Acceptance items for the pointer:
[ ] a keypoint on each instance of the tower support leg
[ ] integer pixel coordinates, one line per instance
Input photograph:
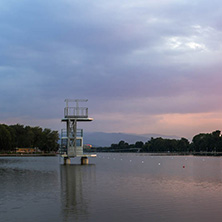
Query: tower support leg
(84, 161)
(67, 160)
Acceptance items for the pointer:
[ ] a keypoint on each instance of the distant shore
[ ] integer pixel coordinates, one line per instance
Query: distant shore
(188, 154)
(26, 155)
(172, 153)
(150, 154)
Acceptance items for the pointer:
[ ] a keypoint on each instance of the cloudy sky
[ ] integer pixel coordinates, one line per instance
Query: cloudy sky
(146, 66)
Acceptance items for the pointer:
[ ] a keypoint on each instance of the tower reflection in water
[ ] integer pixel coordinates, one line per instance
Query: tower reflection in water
(77, 182)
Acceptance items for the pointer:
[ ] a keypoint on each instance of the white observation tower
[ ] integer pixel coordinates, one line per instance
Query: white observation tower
(71, 137)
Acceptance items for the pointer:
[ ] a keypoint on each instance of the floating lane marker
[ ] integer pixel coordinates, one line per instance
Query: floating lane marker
(159, 164)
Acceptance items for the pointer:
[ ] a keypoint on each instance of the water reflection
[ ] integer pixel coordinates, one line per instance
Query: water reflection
(118, 188)
(160, 188)
(28, 189)
(76, 187)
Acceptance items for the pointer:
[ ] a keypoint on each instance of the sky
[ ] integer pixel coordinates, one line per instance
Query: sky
(145, 66)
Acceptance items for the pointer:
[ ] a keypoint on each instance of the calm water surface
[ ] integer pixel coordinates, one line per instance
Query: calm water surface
(114, 187)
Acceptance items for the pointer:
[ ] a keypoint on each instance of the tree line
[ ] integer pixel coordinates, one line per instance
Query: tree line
(20, 136)
(203, 142)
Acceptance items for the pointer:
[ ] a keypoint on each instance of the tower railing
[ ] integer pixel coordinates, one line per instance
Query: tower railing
(76, 112)
(79, 133)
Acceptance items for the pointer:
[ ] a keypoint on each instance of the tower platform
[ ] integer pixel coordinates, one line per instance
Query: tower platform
(78, 119)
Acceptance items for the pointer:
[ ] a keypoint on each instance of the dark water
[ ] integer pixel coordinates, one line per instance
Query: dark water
(114, 187)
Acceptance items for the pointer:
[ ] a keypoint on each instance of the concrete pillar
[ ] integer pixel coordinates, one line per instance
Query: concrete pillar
(84, 161)
(67, 161)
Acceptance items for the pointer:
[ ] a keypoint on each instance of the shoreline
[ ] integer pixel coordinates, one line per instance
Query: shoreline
(213, 154)
(216, 154)
(26, 155)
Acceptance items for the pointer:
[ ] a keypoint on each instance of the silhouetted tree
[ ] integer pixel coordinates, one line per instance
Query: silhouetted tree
(5, 138)
(19, 136)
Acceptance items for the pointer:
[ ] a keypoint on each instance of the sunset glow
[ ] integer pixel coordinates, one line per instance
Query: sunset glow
(145, 66)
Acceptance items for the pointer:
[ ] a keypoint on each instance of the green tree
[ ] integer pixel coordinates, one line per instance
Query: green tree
(5, 138)
(49, 140)
(123, 145)
(19, 135)
(207, 142)
(139, 144)
(183, 145)
(38, 137)
(45, 140)
(114, 146)
(217, 141)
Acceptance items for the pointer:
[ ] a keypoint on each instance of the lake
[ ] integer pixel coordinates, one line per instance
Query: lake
(114, 187)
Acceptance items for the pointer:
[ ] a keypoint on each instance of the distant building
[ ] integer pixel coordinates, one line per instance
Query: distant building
(26, 150)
